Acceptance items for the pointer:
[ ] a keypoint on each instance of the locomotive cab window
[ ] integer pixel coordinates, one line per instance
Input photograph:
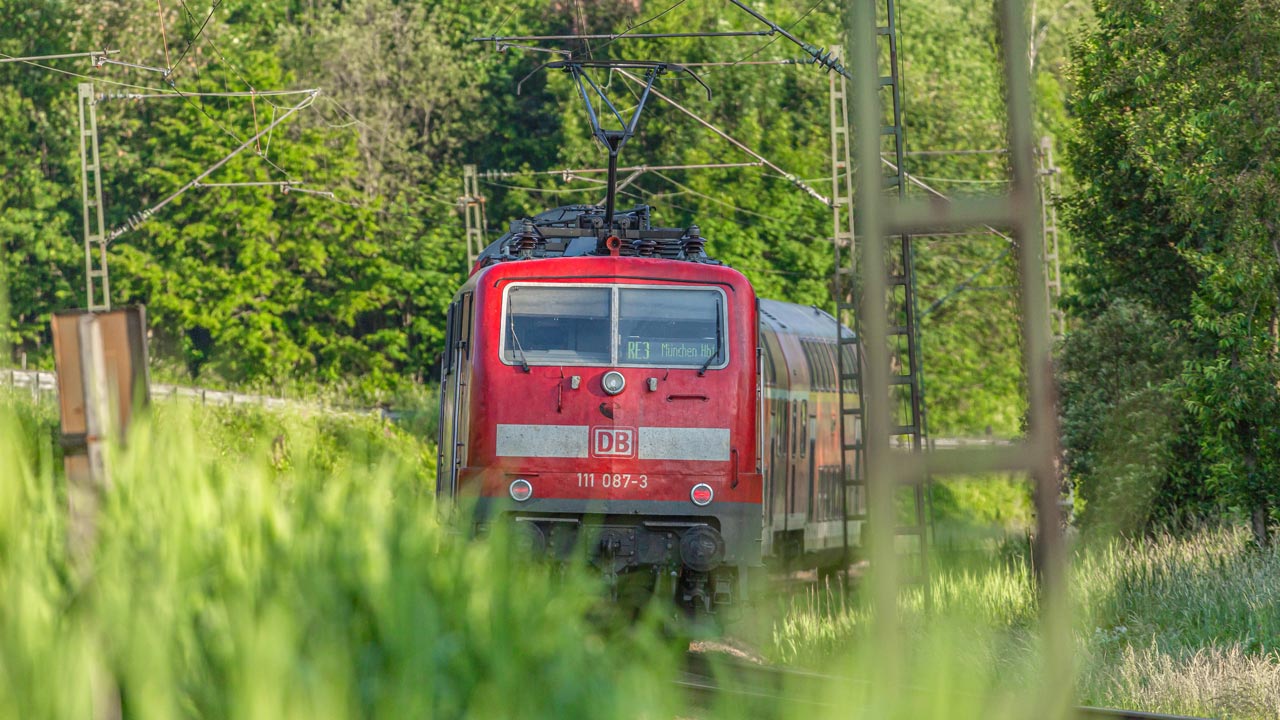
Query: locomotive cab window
(557, 325)
(669, 327)
(546, 324)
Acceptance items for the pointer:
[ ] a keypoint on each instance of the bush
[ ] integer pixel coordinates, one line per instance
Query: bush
(1126, 436)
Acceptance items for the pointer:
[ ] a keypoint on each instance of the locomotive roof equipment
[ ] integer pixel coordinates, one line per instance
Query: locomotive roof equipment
(582, 230)
(612, 139)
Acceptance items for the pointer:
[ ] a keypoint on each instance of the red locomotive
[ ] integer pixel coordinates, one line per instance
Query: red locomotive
(609, 388)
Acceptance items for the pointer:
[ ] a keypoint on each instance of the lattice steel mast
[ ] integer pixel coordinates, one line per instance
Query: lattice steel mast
(907, 420)
(889, 468)
(1048, 173)
(473, 212)
(95, 258)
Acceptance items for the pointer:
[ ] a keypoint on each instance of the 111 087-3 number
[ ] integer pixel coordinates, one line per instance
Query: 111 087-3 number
(613, 480)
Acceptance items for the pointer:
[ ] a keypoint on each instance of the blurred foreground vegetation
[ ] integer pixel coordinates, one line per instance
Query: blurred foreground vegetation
(262, 565)
(1181, 625)
(254, 563)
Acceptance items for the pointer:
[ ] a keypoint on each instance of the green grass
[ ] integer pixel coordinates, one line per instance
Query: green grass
(1184, 625)
(256, 563)
(238, 575)
(1166, 624)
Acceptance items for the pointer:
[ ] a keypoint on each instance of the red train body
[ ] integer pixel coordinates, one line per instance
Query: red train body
(630, 398)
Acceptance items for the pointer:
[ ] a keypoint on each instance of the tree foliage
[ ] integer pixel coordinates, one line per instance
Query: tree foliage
(1179, 154)
(247, 285)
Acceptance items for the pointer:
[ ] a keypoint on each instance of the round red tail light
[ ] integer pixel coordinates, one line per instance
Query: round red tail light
(701, 494)
(521, 490)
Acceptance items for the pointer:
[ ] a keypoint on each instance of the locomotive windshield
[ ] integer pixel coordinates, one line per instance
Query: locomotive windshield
(558, 325)
(619, 325)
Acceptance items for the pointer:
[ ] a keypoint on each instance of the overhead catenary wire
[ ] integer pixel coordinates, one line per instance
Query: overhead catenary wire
(717, 201)
(992, 151)
(633, 168)
(515, 7)
(261, 183)
(351, 115)
(151, 92)
(253, 92)
(611, 37)
(819, 55)
(733, 63)
(287, 187)
(536, 190)
(140, 217)
(642, 23)
(964, 284)
(32, 59)
(966, 181)
(135, 66)
(199, 32)
(940, 195)
(177, 95)
(214, 46)
(50, 68)
(746, 59)
(102, 57)
(808, 189)
(231, 133)
(503, 47)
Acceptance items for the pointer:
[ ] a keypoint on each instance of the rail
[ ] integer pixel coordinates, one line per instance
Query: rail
(763, 689)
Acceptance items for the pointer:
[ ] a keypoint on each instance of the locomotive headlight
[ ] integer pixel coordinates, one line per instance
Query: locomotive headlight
(701, 494)
(613, 382)
(521, 490)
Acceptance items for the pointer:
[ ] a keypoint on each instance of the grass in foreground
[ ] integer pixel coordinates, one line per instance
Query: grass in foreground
(251, 563)
(1177, 625)
(307, 579)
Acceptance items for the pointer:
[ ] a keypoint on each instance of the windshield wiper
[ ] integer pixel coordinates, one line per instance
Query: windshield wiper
(703, 370)
(524, 363)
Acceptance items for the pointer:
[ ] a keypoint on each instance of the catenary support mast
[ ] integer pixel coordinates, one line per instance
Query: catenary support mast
(906, 419)
(97, 281)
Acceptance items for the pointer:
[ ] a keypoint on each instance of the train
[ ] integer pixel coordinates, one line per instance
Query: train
(610, 389)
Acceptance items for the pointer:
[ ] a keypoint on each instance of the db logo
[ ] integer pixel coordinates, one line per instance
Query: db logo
(613, 442)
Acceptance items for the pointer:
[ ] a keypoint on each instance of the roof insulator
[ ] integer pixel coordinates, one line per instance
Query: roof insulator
(693, 243)
(527, 240)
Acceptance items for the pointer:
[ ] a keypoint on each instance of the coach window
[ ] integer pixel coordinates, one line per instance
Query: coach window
(804, 427)
(795, 427)
(848, 365)
(828, 366)
(557, 324)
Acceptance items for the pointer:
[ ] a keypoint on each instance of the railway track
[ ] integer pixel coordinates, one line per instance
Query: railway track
(758, 690)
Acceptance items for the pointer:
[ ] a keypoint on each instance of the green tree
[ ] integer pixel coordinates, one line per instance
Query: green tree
(41, 256)
(1179, 155)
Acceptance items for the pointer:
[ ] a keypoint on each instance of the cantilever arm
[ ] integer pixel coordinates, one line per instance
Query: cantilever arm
(634, 64)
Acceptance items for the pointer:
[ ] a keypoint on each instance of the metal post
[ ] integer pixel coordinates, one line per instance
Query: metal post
(873, 328)
(1036, 455)
(474, 213)
(848, 352)
(896, 272)
(1048, 173)
(95, 259)
(88, 474)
